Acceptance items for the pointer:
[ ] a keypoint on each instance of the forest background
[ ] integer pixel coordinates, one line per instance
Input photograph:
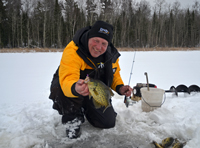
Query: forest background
(52, 23)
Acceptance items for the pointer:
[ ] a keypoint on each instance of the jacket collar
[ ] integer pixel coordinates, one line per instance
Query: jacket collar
(110, 54)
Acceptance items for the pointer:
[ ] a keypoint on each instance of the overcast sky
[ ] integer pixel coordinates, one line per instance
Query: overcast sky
(184, 3)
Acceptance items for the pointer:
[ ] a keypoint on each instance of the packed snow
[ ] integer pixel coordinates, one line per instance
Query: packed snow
(28, 120)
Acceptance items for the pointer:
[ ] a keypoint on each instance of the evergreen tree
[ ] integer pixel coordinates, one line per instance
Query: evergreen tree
(50, 23)
(58, 24)
(154, 30)
(3, 25)
(38, 24)
(187, 36)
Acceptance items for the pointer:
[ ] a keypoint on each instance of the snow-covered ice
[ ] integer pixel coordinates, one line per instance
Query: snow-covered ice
(28, 120)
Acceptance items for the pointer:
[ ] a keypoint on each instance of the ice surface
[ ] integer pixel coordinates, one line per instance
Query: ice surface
(28, 120)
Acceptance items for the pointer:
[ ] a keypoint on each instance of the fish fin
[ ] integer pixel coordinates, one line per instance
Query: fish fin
(167, 141)
(156, 144)
(184, 143)
(106, 108)
(90, 96)
(176, 140)
(111, 92)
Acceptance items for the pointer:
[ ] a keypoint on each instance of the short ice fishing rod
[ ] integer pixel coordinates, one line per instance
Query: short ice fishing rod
(127, 100)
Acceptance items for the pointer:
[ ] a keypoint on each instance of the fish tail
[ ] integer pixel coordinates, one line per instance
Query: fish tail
(106, 108)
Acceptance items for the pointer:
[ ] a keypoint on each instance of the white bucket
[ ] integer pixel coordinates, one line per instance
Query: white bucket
(152, 98)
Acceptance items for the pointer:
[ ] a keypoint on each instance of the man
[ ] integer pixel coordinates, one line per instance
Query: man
(89, 53)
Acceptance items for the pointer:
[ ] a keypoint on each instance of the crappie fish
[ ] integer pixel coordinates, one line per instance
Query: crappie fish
(100, 93)
(177, 144)
(167, 142)
(157, 145)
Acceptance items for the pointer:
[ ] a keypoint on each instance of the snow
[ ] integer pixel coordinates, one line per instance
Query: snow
(28, 120)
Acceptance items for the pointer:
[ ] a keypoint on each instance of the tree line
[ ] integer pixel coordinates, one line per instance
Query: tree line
(52, 24)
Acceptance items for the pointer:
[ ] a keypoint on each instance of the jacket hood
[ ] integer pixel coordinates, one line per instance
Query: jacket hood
(81, 40)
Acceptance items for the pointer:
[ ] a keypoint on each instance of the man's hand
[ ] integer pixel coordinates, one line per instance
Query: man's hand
(126, 90)
(81, 87)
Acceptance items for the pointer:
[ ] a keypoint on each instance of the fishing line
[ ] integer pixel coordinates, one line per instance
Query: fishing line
(132, 63)
(132, 68)
(127, 100)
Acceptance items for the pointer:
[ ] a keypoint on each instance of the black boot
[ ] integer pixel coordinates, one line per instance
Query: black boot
(73, 128)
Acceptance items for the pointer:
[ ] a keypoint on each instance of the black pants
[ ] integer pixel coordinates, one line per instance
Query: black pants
(70, 108)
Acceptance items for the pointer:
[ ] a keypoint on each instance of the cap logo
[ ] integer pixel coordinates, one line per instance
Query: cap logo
(104, 31)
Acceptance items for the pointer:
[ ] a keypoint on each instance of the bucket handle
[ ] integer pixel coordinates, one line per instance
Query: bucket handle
(155, 106)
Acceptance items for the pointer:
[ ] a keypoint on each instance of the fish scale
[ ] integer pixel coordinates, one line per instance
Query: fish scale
(101, 94)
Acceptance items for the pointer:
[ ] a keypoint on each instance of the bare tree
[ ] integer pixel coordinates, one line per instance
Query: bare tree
(92, 15)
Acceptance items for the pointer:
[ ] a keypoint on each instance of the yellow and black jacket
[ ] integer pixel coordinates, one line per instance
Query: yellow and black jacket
(73, 67)
(76, 64)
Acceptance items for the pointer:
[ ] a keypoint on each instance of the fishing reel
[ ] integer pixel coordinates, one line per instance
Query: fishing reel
(128, 101)
(136, 94)
(136, 90)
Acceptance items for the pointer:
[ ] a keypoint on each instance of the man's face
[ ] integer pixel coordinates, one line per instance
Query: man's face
(97, 46)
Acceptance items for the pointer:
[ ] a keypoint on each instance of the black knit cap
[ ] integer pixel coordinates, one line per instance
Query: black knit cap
(101, 29)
